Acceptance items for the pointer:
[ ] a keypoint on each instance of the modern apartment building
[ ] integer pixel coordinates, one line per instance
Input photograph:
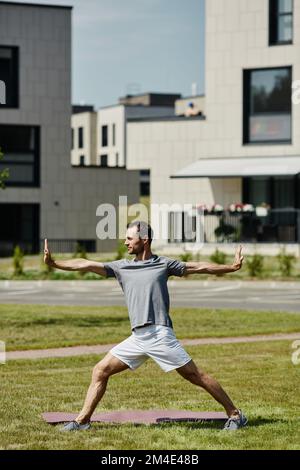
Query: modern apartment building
(83, 136)
(99, 138)
(112, 120)
(45, 196)
(245, 148)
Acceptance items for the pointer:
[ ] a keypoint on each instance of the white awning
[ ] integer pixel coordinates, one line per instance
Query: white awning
(241, 167)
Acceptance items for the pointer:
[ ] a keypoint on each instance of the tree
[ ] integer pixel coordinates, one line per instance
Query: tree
(4, 174)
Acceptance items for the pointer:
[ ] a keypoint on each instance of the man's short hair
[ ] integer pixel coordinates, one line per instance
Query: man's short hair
(144, 230)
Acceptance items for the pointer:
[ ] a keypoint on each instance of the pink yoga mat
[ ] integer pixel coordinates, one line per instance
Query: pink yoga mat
(139, 416)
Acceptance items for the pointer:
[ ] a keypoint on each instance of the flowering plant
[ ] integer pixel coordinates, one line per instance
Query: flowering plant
(232, 208)
(210, 209)
(262, 209)
(265, 205)
(241, 208)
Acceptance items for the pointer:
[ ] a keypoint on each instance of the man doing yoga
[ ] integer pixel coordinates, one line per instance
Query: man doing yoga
(143, 280)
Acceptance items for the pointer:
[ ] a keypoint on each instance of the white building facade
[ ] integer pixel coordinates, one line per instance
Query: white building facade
(84, 138)
(252, 58)
(99, 138)
(111, 129)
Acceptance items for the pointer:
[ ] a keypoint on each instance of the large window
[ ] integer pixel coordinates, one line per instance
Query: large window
(9, 71)
(277, 191)
(145, 182)
(104, 136)
(21, 148)
(281, 223)
(20, 227)
(267, 105)
(281, 22)
(259, 190)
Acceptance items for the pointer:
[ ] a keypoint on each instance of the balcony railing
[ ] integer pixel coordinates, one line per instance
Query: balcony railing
(276, 226)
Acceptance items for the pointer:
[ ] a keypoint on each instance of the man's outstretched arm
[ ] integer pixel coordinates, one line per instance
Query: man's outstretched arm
(209, 268)
(79, 264)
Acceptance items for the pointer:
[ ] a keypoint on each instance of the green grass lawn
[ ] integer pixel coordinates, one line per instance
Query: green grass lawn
(260, 378)
(45, 326)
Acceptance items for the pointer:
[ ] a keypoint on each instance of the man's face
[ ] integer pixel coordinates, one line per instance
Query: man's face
(133, 242)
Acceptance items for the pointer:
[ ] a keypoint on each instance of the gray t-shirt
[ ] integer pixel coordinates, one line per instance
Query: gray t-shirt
(144, 284)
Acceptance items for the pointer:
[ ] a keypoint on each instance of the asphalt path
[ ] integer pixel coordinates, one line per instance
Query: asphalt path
(250, 295)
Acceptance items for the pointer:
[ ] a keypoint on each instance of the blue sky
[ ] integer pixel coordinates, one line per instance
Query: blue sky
(134, 46)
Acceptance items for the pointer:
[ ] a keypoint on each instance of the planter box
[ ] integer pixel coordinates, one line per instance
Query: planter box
(261, 211)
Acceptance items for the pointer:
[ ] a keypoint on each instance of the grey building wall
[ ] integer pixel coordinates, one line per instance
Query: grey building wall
(43, 35)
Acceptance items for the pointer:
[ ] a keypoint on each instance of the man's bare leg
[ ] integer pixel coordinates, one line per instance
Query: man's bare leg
(109, 365)
(194, 375)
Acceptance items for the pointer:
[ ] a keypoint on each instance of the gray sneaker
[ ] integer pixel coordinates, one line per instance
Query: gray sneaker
(236, 422)
(74, 426)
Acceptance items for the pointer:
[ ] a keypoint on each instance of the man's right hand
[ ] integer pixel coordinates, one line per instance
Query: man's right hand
(47, 255)
(82, 265)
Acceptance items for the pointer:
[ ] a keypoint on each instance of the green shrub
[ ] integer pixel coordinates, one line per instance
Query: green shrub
(121, 250)
(218, 257)
(186, 257)
(226, 232)
(255, 265)
(4, 174)
(18, 261)
(285, 263)
(80, 252)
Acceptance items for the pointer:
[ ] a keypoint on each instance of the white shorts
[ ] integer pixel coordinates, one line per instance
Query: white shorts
(156, 341)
